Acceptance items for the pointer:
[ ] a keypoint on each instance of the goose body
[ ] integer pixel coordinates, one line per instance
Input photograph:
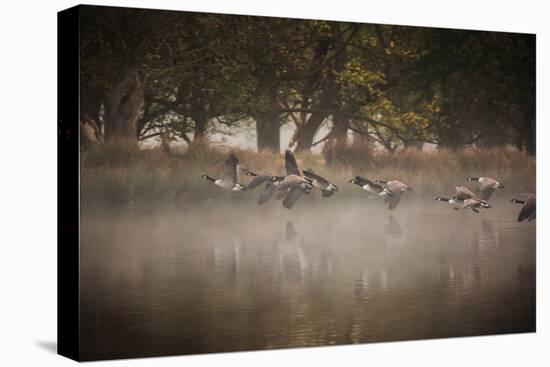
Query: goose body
(327, 188)
(529, 209)
(487, 186)
(463, 199)
(270, 187)
(294, 185)
(229, 180)
(370, 187)
(397, 188)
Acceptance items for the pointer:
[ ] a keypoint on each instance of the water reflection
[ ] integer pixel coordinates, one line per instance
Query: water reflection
(175, 281)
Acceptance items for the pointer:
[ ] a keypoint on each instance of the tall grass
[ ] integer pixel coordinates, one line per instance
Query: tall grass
(122, 173)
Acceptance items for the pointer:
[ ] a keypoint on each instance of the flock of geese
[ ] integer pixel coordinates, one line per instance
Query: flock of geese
(291, 187)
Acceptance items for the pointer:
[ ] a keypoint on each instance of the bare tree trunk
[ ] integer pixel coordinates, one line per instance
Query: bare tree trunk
(268, 128)
(306, 133)
(123, 106)
(90, 103)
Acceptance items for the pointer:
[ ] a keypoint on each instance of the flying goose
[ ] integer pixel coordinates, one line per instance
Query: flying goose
(451, 201)
(397, 188)
(370, 187)
(327, 188)
(488, 185)
(229, 180)
(529, 209)
(291, 188)
(294, 184)
(271, 184)
(465, 198)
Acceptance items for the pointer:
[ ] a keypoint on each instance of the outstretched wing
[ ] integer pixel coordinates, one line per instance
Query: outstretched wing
(486, 190)
(393, 200)
(313, 176)
(292, 197)
(463, 193)
(258, 180)
(231, 168)
(528, 210)
(267, 193)
(290, 164)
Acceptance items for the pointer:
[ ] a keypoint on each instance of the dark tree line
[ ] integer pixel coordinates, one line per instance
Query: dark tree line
(182, 75)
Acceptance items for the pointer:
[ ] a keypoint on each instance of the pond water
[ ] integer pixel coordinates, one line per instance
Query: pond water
(233, 276)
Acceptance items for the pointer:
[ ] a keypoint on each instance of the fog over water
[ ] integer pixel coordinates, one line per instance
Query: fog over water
(229, 275)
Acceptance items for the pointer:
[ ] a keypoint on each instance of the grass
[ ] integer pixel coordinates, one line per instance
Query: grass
(121, 173)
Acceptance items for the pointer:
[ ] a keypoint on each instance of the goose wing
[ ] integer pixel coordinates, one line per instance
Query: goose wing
(528, 210)
(393, 200)
(293, 195)
(290, 164)
(290, 181)
(463, 193)
(267, 193)
(323, 181)
(486, 189)
(395, 186)
(258, 180)
(231, 168)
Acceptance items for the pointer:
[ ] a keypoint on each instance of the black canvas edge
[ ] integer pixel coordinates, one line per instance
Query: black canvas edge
(68, 183)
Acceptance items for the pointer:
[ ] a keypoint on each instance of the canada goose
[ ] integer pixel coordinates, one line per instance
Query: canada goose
(370, 187)
(271, 183)
(229, 180)
(529, 209)
(469, 199)
(451, 201)
(294, 184)
(397, 188)
(327, 188)
(291, 189)
(488, 185)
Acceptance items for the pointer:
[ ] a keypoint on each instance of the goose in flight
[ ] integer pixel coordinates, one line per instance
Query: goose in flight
(529, 209)
(294, 185)
(487, 186)
(370, 187)
(397, 188)
(327, 189)
(270, 187)
(465, 198)
(229, 180)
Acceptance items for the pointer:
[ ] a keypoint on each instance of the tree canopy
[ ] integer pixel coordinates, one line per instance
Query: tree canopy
(147, 73)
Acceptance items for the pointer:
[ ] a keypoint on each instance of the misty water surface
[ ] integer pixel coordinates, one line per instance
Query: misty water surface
(233, 276)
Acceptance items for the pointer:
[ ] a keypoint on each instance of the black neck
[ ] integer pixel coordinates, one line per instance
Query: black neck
(441, 198)
(206, 177)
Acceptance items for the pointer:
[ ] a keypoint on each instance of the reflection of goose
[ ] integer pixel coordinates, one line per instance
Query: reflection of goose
(290, 231)
(291, 256)
(393, 228)
(529, 209)
(230, 179)
(488, 235)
